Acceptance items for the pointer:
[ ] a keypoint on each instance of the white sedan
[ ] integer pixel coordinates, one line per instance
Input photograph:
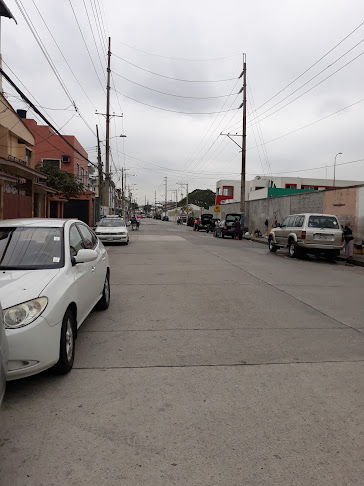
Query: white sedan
(53, 272)
(112, 230)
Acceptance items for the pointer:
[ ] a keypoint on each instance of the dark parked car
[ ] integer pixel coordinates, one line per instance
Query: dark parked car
(190, 221)
(157, 216)
(205, 222)
(165, 218)
(226, 227)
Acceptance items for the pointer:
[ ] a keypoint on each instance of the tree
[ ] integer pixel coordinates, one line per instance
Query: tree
(63, 182)
(134, 206)
(200, 197)
(147, 208)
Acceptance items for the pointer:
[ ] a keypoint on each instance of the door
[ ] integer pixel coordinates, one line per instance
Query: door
(99, 266)
(83, 273)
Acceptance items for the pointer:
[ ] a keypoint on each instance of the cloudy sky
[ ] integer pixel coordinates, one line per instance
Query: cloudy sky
(175, 78)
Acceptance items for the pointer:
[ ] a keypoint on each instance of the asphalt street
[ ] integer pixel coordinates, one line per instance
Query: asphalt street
(217, 363)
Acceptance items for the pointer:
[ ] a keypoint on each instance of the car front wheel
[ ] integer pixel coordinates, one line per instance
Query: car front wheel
(272, 247)
(104, 302)
(67, 344)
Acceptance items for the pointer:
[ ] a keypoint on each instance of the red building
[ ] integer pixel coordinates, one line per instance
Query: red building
(51, 149)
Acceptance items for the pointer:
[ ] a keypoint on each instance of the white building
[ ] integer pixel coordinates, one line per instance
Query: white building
(229, 190)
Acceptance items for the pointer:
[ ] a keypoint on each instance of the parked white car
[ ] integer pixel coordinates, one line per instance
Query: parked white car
(3, 357)
(53, 272)
(112, 230)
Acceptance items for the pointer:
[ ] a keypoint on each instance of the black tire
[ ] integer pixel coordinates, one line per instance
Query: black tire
(330, 256)
(67, 344)
(293, 249)
(240, 237)
(272, 247)
(104, 302)
(222, 235)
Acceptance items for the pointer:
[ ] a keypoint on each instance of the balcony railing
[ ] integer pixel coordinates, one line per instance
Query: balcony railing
(15, 159)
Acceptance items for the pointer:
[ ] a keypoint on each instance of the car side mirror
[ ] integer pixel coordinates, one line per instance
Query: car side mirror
(85, 256)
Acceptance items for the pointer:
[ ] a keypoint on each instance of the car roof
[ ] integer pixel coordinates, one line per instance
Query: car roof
(313, 214)
(37, 222)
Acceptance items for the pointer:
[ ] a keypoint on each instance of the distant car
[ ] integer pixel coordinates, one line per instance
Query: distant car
(4, 354)
(165, 218)
(204, 223)
(226, 227)
(308, 233)
(53, 272)
(190, 221)
(157, 216)
(112, 230)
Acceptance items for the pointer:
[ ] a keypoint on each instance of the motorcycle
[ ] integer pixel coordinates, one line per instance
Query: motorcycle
(135, 225)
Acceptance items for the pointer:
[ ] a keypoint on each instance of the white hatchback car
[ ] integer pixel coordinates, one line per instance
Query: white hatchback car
(53, 272)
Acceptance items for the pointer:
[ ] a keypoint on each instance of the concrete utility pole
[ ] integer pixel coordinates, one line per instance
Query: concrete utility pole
(155, 202)
(243, 152)
(122, 193)
(243, 147)
(99, 168)
(107, 159)
(166, 195)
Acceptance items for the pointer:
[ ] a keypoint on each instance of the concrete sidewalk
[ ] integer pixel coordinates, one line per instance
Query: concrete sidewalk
(357, 260)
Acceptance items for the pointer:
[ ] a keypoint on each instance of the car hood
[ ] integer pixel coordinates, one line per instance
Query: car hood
(111, 229)
(17, 286)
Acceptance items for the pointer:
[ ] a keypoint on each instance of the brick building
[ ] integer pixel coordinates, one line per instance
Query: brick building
(51, 149)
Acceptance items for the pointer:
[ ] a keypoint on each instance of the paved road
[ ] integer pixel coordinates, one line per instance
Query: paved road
(217, 363)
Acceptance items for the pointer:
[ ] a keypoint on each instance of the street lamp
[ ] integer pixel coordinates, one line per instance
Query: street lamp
(340, 153)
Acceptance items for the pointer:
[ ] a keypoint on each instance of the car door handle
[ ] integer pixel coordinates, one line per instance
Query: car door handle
(93, 269)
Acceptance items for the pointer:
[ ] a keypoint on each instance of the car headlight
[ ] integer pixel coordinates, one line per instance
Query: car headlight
(23, 314)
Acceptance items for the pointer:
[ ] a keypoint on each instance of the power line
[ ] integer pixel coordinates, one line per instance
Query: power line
(88, 51)
(173, 111)
(310, 89)
(175, 79)
(309, 68)
(35, 109)
(179, 58)
(172, 94)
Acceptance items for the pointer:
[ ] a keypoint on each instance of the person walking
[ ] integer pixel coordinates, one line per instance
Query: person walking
(349, 243)
(237, 228)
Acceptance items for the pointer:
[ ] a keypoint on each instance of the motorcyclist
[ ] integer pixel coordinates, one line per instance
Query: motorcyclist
(134, 221)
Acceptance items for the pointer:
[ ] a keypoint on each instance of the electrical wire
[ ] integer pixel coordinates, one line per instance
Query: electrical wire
(171, 94)
(175, 79)
(174, 111)
(312, 65)
(179, 58)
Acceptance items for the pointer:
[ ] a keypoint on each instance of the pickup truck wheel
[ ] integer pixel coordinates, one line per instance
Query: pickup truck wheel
(272, 247)
(293, 249)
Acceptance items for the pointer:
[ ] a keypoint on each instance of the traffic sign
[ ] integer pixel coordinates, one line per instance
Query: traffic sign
(175, 211)
(187, 210)
(217, 209)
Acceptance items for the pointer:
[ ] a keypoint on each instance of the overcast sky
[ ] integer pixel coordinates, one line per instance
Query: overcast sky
(200, 40)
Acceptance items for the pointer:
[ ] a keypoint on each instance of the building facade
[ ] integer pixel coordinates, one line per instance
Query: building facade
(51, 149)
(260, 187)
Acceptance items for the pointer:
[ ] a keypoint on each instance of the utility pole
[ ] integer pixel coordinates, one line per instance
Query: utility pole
(243, 147)
(107, 159)
(166, 195)
(243, 152)
(99, 168)
(155, 202)
(122, 193)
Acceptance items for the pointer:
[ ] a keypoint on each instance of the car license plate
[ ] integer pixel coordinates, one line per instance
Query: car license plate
(324, 237)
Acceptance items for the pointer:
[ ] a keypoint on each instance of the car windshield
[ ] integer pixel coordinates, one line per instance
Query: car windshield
(232, 217)
(31, 248)
(111, 223)
(323, 222)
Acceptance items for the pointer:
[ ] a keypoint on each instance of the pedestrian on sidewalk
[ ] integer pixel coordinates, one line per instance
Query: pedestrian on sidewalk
(195, 224)
(349, 242)
(237, 228)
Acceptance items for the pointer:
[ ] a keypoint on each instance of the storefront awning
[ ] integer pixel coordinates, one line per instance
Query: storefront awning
(20, 170)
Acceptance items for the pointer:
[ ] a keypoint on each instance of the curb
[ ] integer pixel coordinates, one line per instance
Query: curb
(264, 241)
